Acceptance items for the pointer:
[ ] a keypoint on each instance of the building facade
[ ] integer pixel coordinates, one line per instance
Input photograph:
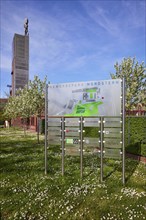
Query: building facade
(20, 62)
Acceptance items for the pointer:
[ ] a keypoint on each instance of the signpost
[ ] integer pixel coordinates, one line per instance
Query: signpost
(71, 107)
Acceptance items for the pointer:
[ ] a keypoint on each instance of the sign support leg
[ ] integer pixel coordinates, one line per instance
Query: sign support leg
(81, 146)
(123, 131)
(46, 127)
(101, 149)
(63, 137)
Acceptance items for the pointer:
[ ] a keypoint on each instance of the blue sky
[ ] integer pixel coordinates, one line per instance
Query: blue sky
(73, 40)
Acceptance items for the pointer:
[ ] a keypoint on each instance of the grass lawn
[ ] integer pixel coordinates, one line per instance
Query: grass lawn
(28, 194)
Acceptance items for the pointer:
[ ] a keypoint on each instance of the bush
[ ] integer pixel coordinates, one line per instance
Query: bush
(135, 133)
(135, 129)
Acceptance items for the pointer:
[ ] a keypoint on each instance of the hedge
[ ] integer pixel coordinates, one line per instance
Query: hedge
(135, 129)
(135, 132)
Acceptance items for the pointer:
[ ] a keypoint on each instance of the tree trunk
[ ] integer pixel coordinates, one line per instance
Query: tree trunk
(24, 126)
(38, 122)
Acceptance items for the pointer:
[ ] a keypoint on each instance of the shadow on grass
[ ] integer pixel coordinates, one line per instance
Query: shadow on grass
(109, 174)
(72, 166)
(130, 168)
(26, 154)
(54, 164)
(113, 167)
(23, 155)
(132, 162)
(24, 146)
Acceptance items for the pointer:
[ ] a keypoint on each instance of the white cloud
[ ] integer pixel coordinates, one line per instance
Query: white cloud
(116, 20)
(101, 17)
(136, 11)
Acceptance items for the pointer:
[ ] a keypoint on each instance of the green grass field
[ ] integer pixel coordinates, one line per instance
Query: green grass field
(28, 194)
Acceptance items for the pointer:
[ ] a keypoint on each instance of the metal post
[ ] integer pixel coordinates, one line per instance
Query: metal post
(81, 146)
(62, 142)
(101, 149)
(46, 126)
(123, 131)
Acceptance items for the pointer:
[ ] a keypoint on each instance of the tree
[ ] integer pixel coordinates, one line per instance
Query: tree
(134, 73)
(24, 108)
(11, 108)
(36, 95)
(18, 106)
(27, 102)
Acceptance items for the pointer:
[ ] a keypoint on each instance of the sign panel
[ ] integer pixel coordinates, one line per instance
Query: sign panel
(93, 98)
(72, 141)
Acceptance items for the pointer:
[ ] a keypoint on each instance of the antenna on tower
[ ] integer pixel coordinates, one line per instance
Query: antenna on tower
(26, 26)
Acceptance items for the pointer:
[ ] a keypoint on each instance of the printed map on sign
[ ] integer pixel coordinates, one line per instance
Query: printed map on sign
(93, 98)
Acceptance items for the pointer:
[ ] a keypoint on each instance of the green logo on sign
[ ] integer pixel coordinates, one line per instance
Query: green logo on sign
(69, 141)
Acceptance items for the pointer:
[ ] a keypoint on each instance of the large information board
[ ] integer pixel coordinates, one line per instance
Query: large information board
(93, 98)
(71, 109)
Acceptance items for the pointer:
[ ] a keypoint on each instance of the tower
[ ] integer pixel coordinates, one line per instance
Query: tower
(20, 60)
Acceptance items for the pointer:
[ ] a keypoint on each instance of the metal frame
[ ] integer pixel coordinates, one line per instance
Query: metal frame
(62, 141)
(123, 130)
(81, 146)
(46, 127)
(81, 125)
(101, 149)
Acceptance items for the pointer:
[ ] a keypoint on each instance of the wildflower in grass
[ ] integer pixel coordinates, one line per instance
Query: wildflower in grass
(130, 192)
